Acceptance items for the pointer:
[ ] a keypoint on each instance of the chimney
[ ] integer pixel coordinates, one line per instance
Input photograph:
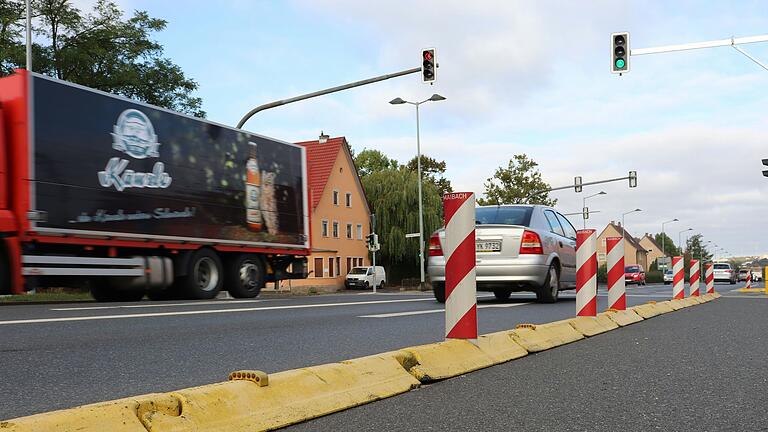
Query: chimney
(323, 138)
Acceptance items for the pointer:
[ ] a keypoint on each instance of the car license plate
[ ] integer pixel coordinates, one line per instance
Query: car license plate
(488, 246)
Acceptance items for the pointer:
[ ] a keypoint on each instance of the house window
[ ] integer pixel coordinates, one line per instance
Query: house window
(338, 265)
(335, 229)
(335, 197)
(359, 231)
(318, 267)
(330, 267)
(601, 257)
(349, 264)
(348, 199)
(325, 228)
(349, 231)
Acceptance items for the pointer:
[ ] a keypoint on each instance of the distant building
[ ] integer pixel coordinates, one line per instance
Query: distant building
(634, 252)
(339, 215)
(653, 248)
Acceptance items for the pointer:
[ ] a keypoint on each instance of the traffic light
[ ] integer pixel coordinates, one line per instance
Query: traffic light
(428, 65)
(369, 241)
(620, 52)
(632, 179)
(577, 184)
(585, 213)
(765, 172)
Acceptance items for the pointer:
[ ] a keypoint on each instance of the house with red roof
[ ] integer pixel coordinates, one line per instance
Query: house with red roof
(339, 215)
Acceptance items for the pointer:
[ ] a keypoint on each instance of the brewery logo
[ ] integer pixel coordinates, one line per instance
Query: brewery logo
(133, 134)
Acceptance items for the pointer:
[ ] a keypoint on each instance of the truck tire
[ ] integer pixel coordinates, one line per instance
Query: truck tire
(204, 277)
(438, 288)
(549, 291)
(502, 293)
(245, 276)
(102, 291)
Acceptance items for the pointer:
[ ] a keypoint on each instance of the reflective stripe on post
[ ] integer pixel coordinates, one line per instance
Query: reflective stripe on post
(709, 278)
(678, 278)
(749, 279)
(695, 276)
(459, 250)
(617, 298)
(586, 273)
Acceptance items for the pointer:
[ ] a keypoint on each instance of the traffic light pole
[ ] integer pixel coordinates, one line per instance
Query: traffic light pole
(630, 177)
(324, 92)
(732, 42)
(373, 230)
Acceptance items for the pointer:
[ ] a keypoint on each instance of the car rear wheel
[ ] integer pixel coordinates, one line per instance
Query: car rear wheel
(438, 288)
(502, 293)
(549, 291)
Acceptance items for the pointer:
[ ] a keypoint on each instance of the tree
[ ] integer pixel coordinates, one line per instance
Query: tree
(392, 195)
(372, 161)
(519, 183)
(669, 246)
(695, 249)
(432, 171)
(99, 49)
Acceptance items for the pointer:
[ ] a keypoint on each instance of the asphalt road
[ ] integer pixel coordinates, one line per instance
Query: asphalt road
(59, 356)
(698, 369)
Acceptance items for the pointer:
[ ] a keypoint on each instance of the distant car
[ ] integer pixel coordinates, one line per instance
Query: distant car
(743, 274)
(518, 248)
(634, 274)
(668, 277)
(363, 277)
(723, 272)
(757, 275)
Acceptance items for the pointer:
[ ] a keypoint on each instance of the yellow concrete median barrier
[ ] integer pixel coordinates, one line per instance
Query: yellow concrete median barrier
(677, 304)
(665, 306)
(501, 347)
(646, 310)
(623, 318)
(591, 326)
(535, 338)
(447, 359)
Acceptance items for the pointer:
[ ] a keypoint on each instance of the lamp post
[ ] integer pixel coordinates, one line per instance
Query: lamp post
(398, 101)
(622, 220)
(584, 207)
(680, 240)
(664, 235)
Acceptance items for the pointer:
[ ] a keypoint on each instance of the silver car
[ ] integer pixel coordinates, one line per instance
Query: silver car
(519, 248)
(724, 272)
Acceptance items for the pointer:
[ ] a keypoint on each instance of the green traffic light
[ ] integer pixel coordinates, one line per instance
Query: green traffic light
(620, 63)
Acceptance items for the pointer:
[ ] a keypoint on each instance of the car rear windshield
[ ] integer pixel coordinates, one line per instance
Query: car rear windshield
(722, 266)
(631, 269)
(517, 215)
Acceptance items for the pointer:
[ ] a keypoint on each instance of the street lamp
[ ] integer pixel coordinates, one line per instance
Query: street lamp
(680, 239)
(622, 220)
(398, 101)
(664, 235)
(584, 207)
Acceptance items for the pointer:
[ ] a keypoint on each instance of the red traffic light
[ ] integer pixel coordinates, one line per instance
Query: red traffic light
(427, 55)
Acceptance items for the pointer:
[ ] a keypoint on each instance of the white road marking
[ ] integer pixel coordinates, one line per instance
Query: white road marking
(423, 312)
(205, 312)
(139, 306)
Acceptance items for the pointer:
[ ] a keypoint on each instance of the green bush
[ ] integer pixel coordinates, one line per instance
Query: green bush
(602, 273)
(654, 277)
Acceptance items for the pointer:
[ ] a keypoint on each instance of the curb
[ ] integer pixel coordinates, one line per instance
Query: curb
(255, 401)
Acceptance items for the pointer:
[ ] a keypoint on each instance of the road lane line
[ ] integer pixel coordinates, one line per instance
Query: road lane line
(192, 303)
(204, 312)
(423, 312)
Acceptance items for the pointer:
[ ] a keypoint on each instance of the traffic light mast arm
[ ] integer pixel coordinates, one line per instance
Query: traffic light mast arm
(325, 92)
(732, 42)
(582, 184)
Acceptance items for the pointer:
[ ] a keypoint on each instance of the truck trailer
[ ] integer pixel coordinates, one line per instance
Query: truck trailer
(130, 199)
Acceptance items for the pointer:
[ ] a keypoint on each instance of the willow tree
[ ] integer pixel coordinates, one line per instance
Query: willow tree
(393, 196)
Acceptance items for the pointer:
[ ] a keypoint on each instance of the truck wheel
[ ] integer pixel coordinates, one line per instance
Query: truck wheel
(549, 291)
(103, 292)
(245, 276)
(204, 277)
(502, 293)
(438, 288)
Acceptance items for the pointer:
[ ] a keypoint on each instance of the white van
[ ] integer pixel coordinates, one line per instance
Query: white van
(362, 277)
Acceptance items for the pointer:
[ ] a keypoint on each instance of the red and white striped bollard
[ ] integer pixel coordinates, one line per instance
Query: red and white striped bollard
(749, 279)
(709, 278)
(694, 278)
(460, 277)
(617, 298)
(586, 273)
(678, 278)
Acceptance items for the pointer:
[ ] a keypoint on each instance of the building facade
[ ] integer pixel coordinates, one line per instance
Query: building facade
(653, 248)
(339, 216)
(634, 252)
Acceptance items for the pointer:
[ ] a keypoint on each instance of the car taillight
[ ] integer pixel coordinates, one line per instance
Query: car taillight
(531, 243)
(727, 271)
(434, 246)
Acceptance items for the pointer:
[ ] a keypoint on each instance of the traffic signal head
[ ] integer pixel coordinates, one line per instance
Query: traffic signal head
(577, 184)
(620, 52)
(428, 65)
(765, 172)
(633, 179)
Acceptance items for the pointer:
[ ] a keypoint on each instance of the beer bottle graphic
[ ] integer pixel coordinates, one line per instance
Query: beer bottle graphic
(253, 190)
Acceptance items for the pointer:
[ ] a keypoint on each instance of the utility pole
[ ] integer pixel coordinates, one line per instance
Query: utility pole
(29, 36)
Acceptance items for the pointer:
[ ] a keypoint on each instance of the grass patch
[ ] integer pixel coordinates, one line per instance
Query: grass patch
(48, 295)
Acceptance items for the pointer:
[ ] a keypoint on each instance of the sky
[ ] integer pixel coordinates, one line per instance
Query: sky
(518, 77)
